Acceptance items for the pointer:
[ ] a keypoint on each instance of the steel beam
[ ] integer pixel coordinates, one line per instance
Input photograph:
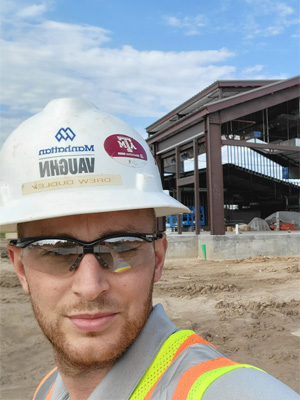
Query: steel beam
(253, 105)
(267, 146)
(188, 180)
(184, 147)
(178, 139)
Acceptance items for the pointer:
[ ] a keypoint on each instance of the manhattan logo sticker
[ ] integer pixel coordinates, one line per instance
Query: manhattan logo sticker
(65, 134)
(126, 150)
(66, 159)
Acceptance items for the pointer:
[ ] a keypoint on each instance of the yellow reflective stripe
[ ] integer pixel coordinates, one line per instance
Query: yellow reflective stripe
(204, 381)
(159, 365)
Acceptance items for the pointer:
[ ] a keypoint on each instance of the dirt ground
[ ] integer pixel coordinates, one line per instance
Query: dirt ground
(247, 308)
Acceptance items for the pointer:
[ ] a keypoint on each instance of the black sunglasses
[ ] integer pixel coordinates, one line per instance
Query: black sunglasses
(58, 255)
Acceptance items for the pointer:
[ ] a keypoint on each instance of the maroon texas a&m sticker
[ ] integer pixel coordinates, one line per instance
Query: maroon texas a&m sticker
(126, 150)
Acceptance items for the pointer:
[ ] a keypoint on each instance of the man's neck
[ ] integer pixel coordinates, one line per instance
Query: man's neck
(80, 384)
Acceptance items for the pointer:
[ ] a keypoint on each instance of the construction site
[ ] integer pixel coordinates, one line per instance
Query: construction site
(233, 152)
(232, 269)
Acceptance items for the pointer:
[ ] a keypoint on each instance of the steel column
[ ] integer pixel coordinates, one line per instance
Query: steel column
(196, 187)
(215, 176)
(161, 221)
(178, 187)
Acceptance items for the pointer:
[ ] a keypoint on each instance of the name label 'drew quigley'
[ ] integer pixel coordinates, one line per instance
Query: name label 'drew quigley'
(71, 182)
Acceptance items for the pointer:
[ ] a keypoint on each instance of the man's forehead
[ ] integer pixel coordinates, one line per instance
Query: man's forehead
(96, 223)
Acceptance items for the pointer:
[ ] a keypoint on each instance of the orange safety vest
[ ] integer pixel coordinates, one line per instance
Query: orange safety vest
(193, 380)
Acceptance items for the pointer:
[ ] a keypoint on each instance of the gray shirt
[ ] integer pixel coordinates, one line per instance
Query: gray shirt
(121, 380)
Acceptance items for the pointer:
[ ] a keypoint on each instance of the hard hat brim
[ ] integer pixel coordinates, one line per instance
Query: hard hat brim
(75, 202)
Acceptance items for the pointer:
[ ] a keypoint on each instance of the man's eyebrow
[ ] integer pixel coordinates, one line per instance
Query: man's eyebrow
(128, 229)
(53, 234)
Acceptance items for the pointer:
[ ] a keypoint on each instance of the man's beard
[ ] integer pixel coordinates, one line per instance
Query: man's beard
(72, 360)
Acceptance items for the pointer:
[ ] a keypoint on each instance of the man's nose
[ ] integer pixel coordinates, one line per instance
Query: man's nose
(90, 279)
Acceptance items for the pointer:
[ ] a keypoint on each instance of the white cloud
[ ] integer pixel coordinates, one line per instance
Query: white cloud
(284, 9)
(256, 72)
(44, 59)
(33, 11)
(18, 10)
(268, 18)
(254, 18)
(250, 70)
(273, 30)
(190, 25)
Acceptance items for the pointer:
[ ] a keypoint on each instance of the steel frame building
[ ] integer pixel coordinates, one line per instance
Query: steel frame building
(260, 116)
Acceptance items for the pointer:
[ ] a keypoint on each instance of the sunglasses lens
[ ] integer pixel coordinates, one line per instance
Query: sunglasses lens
(123, 253)
(52, 256)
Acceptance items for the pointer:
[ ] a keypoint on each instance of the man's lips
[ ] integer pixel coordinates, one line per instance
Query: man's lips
(92, 322)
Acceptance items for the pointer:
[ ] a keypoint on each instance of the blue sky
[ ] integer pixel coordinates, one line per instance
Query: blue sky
(138, 59)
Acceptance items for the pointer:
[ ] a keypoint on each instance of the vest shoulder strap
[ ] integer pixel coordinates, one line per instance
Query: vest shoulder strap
(169, 351)
(45, 388)
(196, 380)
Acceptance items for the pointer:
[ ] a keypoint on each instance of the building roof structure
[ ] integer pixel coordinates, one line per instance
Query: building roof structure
(259, 115)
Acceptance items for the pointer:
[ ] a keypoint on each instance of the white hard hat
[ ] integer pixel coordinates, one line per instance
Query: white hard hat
(71, 158)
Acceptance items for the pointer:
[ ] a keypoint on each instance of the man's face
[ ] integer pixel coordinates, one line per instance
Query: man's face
(91, 315)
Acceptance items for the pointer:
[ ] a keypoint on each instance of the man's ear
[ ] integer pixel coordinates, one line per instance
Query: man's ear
(15, 257)
(161, 246)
